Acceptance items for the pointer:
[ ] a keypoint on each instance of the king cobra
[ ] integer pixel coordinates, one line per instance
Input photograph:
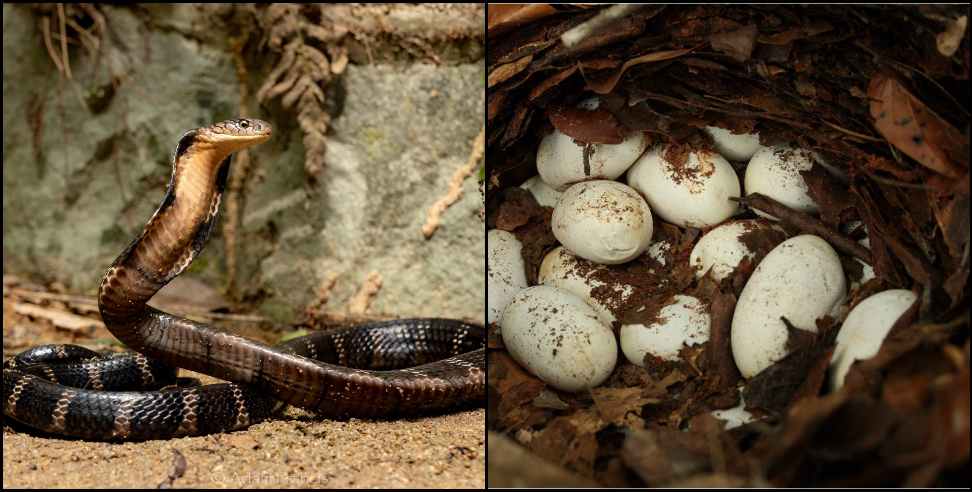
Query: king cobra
(385, 369)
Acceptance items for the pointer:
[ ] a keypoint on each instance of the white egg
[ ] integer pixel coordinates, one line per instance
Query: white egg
(560, 159)
(691, 194)
(565, 271)
(602, 221)
(545, 195)
(558, 338)
(775, 172)
(735, 416)
(721, 250)
(864, 330)
(736, 147)
(684, 323)
(506, 272)
(800, 279)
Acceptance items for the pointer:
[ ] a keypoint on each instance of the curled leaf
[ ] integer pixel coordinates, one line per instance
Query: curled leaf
(606, 85)
(503, 72)
(915, 129)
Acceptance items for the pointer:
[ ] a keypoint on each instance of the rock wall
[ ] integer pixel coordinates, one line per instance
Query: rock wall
(86, 162)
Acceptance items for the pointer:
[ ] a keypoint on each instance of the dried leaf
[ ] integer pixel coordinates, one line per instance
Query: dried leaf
(719, 361)
(541, 88)
(510, 465)
(915, 129)
(502, 18)
(587, 126)
(775, 387)
(738, 44)
(953, 416)
(339, 59)
(503, 72)
(662, 455)
(953, 218)
(606, 85)
(570, 441)
(495, 101)
(286, 61)
(791, 35)
(614, 404)
(830, 195)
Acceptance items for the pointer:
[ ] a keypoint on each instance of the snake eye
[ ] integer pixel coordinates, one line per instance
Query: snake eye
(244, 124)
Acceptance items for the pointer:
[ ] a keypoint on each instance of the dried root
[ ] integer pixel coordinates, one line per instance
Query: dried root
(455, 186)
(87, 28)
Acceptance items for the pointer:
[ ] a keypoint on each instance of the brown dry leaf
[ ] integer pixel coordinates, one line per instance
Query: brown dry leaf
(588, 127)
(511, 465)
(738, 43)
(953, 218)
(878, 163)
(915, 129)
(830, 195)
(719, 363)
(663, 455)
(796, 375)
(606, 85)
(495, 102)
(541, 88)
(570, 441)
(503, 72)
(502, 18)
(791, 35)
(613, 404)
(953, 417)
(516, 389)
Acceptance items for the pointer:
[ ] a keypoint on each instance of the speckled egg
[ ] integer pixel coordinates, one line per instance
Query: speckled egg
(775, 172)
(865, 328)
(734, 146)
(563, 270)
(505, 274)
(688, 190)
(720, 249)
(603, 221)
(560, 159)
(558, 338)
(800, 279)
(682, 323)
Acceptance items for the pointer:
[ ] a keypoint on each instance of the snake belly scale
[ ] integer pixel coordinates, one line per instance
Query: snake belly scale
(385, 369)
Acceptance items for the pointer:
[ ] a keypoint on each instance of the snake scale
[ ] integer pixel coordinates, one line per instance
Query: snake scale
(384, 369)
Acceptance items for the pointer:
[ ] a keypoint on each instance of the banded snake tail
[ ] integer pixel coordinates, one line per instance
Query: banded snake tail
(357, 372)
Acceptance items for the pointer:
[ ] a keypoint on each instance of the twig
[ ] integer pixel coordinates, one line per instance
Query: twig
(894, 182)
(851, 132)
(60, 319)
(91, 302)
(600, 22)
(806, 223)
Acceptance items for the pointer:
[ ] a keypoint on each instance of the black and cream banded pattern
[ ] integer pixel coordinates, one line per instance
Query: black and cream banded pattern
(70, 390)
(401, 367)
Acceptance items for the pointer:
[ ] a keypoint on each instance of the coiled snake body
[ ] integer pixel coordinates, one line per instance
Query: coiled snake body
(359, 371)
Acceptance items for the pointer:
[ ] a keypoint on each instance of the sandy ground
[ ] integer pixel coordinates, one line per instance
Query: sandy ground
(445, 451)
(296, 450)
